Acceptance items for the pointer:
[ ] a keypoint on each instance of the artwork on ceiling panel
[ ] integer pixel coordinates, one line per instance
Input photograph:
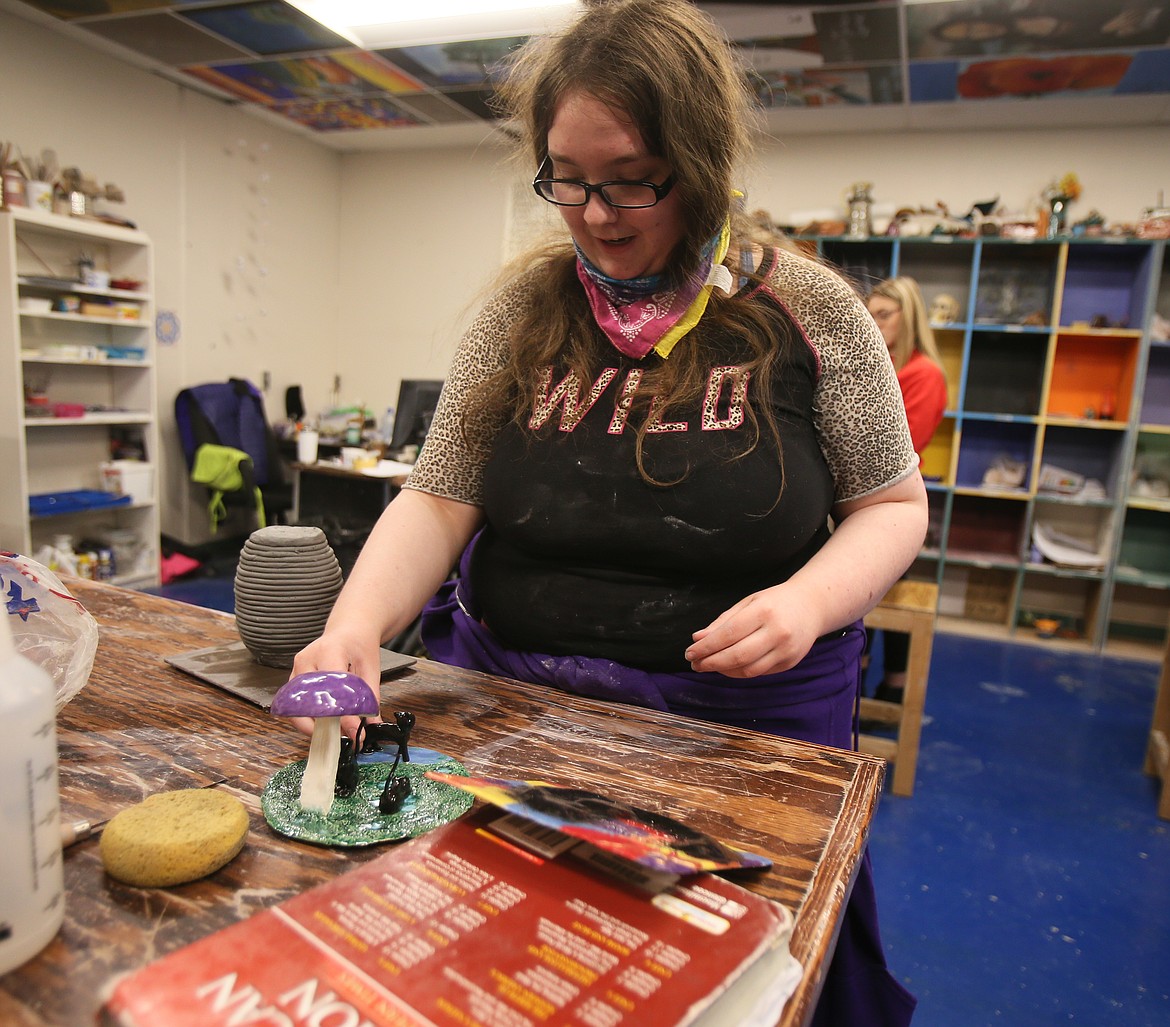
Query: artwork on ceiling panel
(1031, 77)
(360, 112)
(473, 62)
(973, 28)
(817, 58)
(829, 87)
(306, 78)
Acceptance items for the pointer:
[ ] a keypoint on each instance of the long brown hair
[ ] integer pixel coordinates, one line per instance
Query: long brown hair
(667, 67)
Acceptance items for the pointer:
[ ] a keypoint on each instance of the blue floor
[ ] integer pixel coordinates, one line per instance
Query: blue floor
(1027, 881)
(212, 593)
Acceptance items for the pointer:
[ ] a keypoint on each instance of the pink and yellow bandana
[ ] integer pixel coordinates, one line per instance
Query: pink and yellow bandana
(638, 324)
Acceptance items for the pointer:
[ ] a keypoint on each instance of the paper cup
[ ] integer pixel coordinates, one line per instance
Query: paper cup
(307, 447)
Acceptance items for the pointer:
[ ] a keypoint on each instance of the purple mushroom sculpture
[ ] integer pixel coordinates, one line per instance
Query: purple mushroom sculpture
(326, 696)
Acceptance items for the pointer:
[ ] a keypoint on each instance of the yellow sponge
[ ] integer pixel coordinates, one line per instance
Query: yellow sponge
(174, 837)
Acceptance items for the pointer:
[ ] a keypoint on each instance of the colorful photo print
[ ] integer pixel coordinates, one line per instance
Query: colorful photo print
(829, 87)
(305, 78)
(269, 27)
(802, 38)
(340, 115)
(858, 36)
(380, 73)
(472, 62)
(1035, 77)
(973, 28)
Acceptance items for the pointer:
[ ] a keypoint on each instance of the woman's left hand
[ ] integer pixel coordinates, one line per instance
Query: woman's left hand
(874, 540)
(764, 633)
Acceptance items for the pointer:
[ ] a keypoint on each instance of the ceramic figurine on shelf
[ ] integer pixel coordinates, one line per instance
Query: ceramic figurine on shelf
(860, 203)
(1058, 195)
(944, 309)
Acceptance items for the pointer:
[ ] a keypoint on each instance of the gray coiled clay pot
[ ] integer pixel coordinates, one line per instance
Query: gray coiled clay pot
(287, 581)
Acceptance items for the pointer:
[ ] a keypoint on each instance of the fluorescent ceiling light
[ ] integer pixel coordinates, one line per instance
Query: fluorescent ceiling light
(378, 24)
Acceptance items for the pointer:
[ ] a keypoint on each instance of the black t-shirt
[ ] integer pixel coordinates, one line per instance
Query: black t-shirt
(581, 556)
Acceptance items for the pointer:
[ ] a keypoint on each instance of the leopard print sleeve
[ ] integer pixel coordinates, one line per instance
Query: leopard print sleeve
(446, 467)
(859, 413)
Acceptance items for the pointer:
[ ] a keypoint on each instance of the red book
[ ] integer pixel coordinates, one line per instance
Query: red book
(463, 926)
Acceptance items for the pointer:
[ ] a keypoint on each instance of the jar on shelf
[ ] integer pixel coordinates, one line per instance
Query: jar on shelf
(860, 206)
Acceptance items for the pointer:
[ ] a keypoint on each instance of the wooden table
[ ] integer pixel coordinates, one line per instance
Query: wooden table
(140, 726)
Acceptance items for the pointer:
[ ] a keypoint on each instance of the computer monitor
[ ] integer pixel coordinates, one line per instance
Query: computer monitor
(417, 399)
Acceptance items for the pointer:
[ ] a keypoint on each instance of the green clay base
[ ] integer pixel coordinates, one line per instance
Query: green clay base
(356, 820)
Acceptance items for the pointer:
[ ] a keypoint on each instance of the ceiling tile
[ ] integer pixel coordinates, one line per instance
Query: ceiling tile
(268, 27)
(68, 9)
(474, 100)
(435, 108)
(165, 39)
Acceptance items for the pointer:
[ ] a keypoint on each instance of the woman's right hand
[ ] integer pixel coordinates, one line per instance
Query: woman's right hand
(341, 649)
(414, 545)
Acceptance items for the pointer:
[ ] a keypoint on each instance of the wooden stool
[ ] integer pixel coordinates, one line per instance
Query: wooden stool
(1158, 751)
(908, 607)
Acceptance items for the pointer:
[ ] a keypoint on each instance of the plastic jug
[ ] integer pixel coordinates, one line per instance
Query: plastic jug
(32, 892)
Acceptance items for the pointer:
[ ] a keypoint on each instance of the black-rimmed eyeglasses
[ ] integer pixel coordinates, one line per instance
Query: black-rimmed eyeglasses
(569, 192)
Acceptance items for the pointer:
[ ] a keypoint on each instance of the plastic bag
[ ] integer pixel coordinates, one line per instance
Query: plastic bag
(49, 626)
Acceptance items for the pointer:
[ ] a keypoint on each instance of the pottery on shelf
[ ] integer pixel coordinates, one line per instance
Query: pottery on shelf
(1057, 216)
(287, 581)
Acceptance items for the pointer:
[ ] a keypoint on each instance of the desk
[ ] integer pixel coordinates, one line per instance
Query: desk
(329, 490)
(139, 726)
(343, 502)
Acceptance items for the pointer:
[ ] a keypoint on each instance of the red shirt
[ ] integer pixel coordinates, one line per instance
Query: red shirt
(924, 393)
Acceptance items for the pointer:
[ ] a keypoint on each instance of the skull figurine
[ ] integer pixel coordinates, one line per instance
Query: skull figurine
(944, 309)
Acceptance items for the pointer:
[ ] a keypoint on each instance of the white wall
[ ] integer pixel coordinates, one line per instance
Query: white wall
(421, 235)
(243, 216)
(283, 256)
(1122, 169)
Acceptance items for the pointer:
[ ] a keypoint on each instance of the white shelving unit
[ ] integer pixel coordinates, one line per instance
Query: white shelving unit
(94, 374)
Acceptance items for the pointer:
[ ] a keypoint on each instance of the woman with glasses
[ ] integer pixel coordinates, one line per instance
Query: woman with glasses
(671, 465)
(900, 312)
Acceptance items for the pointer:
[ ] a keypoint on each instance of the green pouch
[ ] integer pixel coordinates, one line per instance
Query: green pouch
(218, 468)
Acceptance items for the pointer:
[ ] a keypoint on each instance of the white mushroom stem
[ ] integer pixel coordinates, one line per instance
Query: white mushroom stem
(320, 777)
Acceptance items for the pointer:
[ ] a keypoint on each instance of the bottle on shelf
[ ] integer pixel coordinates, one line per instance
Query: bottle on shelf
(62, 558)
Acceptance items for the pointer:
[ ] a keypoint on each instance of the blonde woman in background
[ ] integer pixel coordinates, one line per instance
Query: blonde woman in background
(900, 312)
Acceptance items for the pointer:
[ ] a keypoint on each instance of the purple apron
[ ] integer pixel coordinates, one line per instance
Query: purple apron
(816, 701)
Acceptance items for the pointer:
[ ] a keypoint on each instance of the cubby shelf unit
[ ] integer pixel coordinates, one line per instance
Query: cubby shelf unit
(1059, 375)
